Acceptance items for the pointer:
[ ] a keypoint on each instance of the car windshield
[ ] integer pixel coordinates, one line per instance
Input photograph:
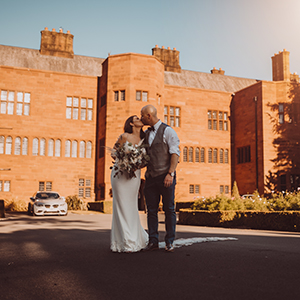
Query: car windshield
(47, 195)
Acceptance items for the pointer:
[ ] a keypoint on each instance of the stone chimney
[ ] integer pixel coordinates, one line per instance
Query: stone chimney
(281, 66)
(56, 43)
(169, 57)
(216, 71)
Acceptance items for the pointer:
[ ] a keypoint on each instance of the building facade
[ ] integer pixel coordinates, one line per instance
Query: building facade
(60, 112)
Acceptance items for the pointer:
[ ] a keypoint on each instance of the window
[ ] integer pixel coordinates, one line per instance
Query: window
(86, 108)
(225, 121)
(145, 96)
(172, 116)
(25, 146)
(119, 95)
(50, 147)
(48, 186)
(8, 103)
(226, 189)
(202, 155)
(116, 95)
(210, 155)
(75, 108)
(23, 103)
(192, 189)
(215, 156)
(82, 149)
(185, 154)
(17, 146)
(26, 104)
(281, 113)
(35, 147)
(88, 188)
(6, 186)
(84, 189)
(8, 145)
(90, 110)
(42, 147)
(72, 108)
(19, 103)
(67, 148)
(57, 148)
(81, 192)
(41, 186)
(141, 96)
(83, 109)
(220, 120)
(3, 102)
(88, 150)
(243, 155)
(197, 155)
(209, 117)
(221, 156)
(122, 94)
(74, 148)
(221, 189)
(191, 154)
(138, 95)
(2, 140)
(226, 156)
(217, 120)
(45, 185)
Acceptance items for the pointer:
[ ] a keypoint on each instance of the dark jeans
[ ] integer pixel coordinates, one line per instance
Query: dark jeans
(154, 189)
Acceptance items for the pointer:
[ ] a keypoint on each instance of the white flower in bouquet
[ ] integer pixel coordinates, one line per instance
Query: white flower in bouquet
(128, 158)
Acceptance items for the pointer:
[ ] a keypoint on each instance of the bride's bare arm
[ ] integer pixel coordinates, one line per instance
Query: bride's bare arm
(121, 140)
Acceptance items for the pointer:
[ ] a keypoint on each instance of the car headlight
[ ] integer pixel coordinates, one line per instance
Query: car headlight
(39, 204)
(62, 204)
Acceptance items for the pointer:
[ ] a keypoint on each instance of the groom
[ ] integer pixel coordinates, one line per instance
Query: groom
(160, 176)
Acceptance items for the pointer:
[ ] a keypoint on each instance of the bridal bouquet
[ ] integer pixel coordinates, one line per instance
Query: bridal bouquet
(128, 158)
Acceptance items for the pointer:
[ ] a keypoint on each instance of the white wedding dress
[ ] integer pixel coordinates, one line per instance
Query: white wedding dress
(127, 233)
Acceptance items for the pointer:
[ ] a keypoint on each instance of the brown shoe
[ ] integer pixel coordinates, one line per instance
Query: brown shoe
(151, 247)
(169, 248)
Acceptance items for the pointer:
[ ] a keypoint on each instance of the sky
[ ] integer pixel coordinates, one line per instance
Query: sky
(239, 36)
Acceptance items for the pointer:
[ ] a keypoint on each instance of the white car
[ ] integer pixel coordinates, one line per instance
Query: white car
(47, 203)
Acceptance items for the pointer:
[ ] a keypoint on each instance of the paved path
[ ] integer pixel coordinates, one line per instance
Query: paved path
(69, 258)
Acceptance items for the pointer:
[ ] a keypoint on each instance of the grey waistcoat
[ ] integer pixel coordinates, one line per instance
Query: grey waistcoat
(160, 157)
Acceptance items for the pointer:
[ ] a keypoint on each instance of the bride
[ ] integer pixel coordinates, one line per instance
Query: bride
(127, 233)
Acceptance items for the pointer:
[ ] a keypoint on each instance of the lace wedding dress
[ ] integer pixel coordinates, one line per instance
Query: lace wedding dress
(127, 233)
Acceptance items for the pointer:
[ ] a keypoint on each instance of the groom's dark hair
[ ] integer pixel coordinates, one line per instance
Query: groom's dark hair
(128, 127)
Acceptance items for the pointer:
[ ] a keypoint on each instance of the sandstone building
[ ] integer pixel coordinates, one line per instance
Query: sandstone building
(59, 111)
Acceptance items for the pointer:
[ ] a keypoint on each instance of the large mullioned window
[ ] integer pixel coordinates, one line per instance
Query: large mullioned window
(13, 102)
(79, 108)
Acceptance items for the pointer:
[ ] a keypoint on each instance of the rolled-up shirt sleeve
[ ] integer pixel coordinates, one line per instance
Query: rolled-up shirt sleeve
(171, 138)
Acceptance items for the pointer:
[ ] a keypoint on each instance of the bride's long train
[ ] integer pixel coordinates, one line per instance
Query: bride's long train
(188, 242)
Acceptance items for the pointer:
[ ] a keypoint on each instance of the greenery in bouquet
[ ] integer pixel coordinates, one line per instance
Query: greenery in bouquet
(128, 158)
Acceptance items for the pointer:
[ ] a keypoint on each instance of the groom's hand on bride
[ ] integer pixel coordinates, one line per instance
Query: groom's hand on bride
(168, 180)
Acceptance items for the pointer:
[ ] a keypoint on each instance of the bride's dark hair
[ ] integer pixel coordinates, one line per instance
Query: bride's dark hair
(128, 127)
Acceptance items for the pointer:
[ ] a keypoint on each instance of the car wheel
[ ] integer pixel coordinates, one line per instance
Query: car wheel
(29, 211)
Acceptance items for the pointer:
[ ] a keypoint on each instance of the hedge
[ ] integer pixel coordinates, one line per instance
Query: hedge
(267, 220)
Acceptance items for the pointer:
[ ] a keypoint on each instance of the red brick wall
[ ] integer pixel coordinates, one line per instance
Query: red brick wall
(47, 119)
(131, 72)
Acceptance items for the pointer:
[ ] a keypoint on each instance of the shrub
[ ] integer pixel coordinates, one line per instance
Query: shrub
(75, 203)
(15, 205)
(220, 202)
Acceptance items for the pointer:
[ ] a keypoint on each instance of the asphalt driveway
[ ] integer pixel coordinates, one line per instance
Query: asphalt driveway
(69, 258)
